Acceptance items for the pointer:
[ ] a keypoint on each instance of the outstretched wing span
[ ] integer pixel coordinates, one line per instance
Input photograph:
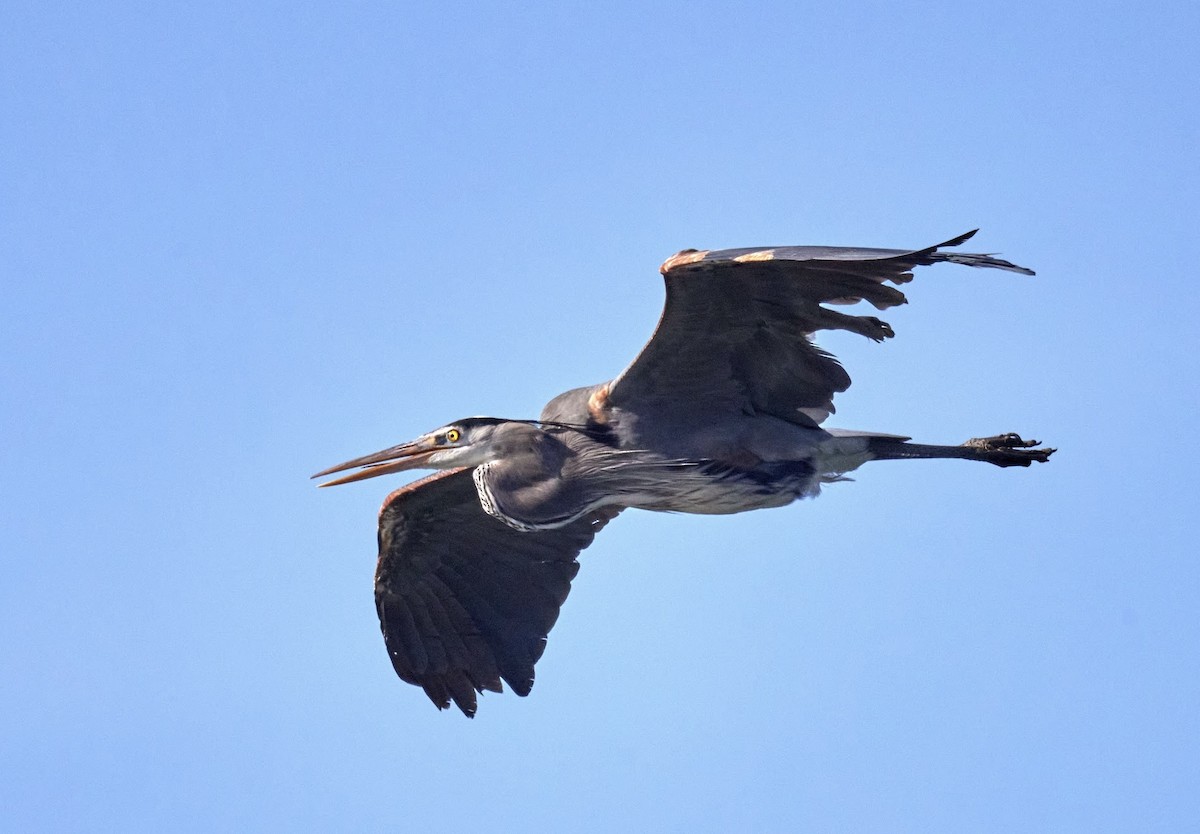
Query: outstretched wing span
(735, 334)
(465, 600)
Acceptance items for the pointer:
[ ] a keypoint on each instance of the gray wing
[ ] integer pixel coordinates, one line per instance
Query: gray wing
(463, 599)
(735, 333)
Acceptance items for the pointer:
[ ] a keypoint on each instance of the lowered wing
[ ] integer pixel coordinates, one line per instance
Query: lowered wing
(465, 600)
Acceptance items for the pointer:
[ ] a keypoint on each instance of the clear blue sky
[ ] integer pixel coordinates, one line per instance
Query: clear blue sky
(242, 242)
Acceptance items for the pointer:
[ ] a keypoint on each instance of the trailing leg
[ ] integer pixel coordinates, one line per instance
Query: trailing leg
(1001, 450)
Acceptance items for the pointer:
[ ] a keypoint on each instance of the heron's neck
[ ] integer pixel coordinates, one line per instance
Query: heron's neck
(524, 485)
(526, 451)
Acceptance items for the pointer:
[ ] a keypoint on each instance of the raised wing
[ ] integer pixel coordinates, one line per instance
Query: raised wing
(735, 334)
(463, 599)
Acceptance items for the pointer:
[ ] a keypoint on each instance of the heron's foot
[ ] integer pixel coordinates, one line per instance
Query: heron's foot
(1009, 450)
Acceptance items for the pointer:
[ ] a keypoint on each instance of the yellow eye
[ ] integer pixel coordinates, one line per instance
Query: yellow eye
(453, 435)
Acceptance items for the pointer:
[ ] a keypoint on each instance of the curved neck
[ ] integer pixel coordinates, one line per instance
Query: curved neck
(524, 485)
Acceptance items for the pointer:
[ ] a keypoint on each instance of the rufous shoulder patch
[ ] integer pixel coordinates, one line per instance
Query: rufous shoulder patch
(597, 405)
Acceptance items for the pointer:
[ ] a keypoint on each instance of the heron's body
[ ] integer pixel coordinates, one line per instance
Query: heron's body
(720, 413)
(566, 473)
(746, 463)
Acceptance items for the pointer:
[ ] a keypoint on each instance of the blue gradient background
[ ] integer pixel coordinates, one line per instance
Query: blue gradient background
(239, 243)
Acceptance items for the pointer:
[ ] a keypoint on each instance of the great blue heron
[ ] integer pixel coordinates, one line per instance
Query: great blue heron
(721, 412)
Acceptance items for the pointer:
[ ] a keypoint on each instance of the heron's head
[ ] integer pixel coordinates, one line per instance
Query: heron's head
(468, 442)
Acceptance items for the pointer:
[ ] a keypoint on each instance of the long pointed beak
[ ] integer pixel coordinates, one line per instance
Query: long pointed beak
(396, 459)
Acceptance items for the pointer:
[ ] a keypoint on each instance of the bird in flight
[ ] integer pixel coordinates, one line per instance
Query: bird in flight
(721, 412)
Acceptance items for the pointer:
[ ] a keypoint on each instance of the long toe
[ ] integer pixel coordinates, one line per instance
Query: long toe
(1009, 450)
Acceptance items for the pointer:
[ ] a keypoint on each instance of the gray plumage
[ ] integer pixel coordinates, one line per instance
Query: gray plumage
(721, 412)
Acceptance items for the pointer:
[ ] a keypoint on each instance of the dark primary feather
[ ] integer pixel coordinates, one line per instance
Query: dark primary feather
(464, 600)
(734, 336)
